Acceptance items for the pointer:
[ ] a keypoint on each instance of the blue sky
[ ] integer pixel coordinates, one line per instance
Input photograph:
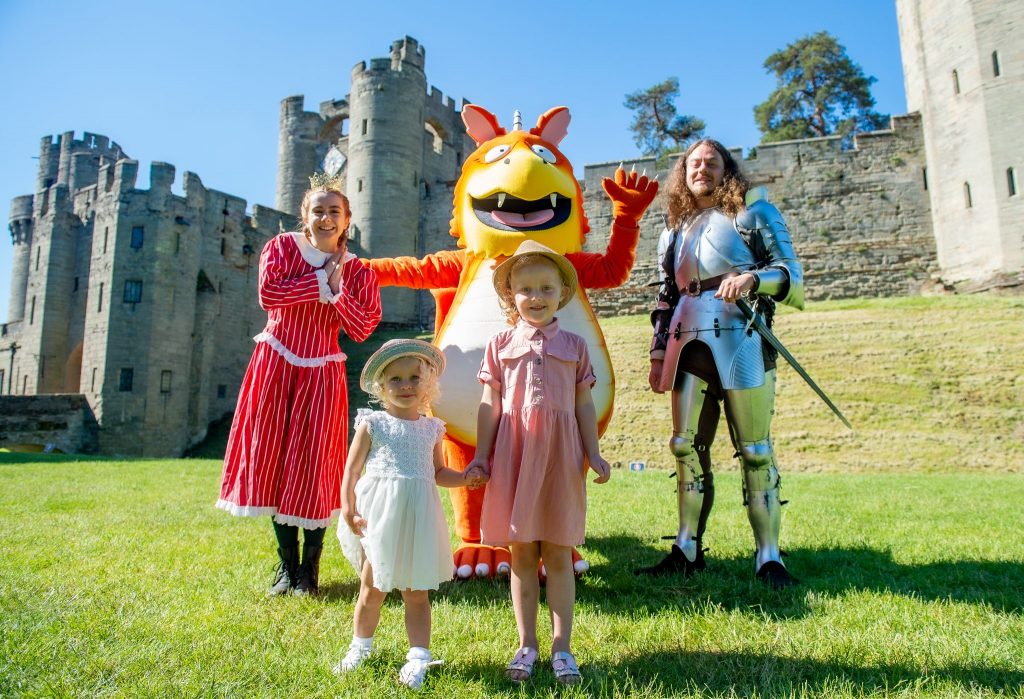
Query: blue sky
(198, 83)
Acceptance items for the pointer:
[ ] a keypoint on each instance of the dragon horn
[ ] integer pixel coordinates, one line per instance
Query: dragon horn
(517, 121)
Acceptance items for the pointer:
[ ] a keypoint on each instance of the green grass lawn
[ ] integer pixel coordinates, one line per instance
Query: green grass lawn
(120, 579)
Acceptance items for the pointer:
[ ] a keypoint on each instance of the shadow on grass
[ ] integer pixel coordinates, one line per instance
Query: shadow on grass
(729, 582)
(746, 674)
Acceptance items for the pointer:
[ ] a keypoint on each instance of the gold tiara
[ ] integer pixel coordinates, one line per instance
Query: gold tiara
(322, 182)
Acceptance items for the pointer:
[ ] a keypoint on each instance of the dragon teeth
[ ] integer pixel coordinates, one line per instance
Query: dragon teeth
(554, 200)
(501, 199)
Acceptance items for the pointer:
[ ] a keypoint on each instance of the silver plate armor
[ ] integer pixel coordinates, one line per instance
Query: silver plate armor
(709, 246)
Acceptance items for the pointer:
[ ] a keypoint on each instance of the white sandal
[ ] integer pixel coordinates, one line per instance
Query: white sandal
(521, 667)
(566, 670)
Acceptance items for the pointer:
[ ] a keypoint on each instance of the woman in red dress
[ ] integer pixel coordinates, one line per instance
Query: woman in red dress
(287, 447)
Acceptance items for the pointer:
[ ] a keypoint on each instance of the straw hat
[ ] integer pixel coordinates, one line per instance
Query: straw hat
(396, 349)
(532, 247)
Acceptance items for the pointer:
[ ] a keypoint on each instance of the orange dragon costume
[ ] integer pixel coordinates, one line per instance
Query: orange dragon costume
(515, 186)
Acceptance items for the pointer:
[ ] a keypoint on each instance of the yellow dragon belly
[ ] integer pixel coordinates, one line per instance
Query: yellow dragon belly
(474, 317)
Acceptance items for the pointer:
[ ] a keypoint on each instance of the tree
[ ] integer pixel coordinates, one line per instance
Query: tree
(820, 92)
(657, 121)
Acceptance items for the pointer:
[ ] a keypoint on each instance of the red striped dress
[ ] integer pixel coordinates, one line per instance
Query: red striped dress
(287, 447)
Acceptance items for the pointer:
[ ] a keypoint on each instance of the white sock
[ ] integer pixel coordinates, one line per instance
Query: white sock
(366, 643)
(419, 653)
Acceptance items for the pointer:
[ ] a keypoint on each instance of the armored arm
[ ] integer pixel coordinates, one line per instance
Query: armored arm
(668, 296)
(782, 276)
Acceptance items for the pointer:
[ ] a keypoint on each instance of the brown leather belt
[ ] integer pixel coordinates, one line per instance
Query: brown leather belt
(697, 286)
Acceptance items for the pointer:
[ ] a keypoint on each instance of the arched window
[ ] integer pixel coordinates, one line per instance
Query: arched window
(967, 195)
(956, 83)
(1011, 181)
(995, 64)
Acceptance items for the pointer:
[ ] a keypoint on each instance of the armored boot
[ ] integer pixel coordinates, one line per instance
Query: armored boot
(764, 510)
(286, 573)
(309, 571)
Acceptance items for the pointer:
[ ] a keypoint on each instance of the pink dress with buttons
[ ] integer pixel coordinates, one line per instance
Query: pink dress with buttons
(537, 490)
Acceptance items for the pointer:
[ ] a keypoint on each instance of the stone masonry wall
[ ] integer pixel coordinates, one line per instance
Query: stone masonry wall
(62, 421)
(860, 218)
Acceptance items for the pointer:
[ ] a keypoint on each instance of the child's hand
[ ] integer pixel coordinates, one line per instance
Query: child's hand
(353, 520)
(476, 473)
(602, 468)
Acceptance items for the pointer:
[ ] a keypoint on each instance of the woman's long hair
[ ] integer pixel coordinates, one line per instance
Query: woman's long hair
(729, 196)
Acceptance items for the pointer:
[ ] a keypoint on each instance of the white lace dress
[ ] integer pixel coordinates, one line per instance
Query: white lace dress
(406, 537)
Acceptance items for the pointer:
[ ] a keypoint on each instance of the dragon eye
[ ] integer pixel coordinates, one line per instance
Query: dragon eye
(496, 152)
(544, 153)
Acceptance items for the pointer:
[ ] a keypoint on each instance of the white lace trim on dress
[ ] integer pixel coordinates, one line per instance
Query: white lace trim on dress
(290, 520)
(294, 359)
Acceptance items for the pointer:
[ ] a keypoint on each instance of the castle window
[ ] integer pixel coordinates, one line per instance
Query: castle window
(924, 178)
(1, 382)
(177, 243)
(364, 127)
(76, 285)
(956, 83)
(458, 158)
(99, 299)
(967, 195)
(995, 64)
(37, 259)
(165, 381)
(133, 291)
(223, 246)
(24, 384)
(222, 391)
(124, 383)
(359, 185)
(1011, 181)
(106, 233)
(32, 312)
(92, 386)
(137, 235)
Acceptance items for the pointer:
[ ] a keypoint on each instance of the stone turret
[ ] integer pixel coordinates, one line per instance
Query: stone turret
(385, 161)
(962, 66)
(20, 225)
(299, 152)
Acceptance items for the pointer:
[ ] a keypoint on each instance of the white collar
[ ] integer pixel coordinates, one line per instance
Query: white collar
(313, 256)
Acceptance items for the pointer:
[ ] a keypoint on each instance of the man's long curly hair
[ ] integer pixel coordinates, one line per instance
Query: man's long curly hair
(729, 196)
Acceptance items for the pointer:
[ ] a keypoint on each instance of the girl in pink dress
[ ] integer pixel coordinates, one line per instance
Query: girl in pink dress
(536, 434)
(286, 451)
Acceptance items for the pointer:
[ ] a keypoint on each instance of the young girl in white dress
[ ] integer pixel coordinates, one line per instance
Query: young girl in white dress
(393, 529)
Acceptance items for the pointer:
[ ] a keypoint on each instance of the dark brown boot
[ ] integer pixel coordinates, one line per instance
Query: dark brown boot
(287, 573)
(309, 571)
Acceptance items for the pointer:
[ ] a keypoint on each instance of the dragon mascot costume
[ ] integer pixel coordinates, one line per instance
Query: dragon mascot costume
(516, 186)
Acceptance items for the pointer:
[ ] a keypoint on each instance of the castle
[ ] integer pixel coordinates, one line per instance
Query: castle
(144, 301)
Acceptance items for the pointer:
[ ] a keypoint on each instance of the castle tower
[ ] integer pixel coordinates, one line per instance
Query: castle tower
(385, 161)
(299, 153)
(20, 226)
(963, 67)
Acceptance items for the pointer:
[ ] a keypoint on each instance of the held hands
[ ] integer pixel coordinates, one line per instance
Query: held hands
(601, 467)
(334, 267)
(732, 288)
(476, 473)
(631, 194)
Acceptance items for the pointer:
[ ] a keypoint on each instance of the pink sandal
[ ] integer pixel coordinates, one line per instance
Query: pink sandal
(521, 667)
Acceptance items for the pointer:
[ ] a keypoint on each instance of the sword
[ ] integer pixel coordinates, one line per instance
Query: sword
(755, 321)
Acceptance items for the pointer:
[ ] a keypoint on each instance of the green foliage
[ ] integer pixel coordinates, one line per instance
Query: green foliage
(820, 92)
(658, 129)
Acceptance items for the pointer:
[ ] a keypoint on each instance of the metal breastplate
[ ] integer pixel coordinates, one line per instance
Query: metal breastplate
(710, 246)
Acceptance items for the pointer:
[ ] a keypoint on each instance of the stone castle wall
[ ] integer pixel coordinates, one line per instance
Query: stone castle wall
(859, 218)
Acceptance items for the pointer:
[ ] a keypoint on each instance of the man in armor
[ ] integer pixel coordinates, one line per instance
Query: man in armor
(714, 251)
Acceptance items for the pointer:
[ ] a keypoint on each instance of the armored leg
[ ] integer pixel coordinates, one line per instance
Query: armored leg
(749, 413)
(688, 402)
